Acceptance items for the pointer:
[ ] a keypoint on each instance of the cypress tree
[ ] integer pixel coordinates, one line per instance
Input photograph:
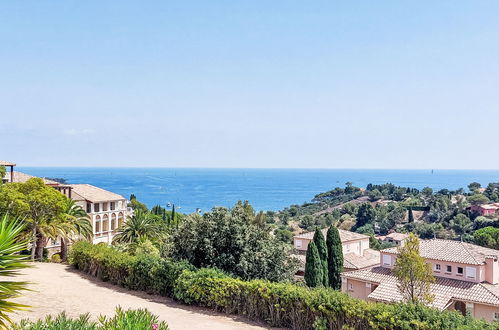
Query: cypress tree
(173, 214)
(320, 243)
(313, 267)
(410, 216)
(335, 257)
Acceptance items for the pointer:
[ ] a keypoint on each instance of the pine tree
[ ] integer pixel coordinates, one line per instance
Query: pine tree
(410, 216)
(320, 243)
(335, 257)
(313, 267)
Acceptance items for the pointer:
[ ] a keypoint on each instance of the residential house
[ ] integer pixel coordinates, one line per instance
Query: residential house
(356, 252)
(467, 278)
(486, 210)
(395, 238)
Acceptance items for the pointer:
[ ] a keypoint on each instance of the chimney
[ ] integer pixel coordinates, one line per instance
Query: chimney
(491, 270)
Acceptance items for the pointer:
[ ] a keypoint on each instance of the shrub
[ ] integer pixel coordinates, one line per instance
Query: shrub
(55, 258)
(140, 319)
(276, 303)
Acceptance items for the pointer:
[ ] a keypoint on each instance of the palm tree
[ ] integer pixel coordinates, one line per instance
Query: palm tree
(10, 264)
(75, 223)
(138, 228)
(72, 223)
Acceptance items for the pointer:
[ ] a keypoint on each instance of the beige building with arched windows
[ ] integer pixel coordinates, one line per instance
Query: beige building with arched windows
(107, 210)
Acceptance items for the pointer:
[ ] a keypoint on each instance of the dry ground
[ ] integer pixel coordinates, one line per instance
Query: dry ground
(59, 288)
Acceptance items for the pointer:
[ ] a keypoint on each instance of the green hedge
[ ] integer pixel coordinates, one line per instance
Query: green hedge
(278, 304)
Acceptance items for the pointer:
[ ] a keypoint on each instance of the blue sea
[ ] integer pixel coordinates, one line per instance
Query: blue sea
(266, 189)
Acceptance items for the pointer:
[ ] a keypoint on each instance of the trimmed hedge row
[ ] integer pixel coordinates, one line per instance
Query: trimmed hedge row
(278, 304)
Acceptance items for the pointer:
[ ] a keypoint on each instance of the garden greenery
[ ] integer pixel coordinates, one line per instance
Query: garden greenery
(138, 319)
(276, 303)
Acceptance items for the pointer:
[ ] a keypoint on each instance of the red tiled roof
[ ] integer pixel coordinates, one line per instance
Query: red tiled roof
(452, 251)
(444, 289)
(370, 258)
(345, 235)
(23, 177)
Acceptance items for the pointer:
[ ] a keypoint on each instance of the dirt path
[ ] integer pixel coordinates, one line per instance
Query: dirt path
(58, 288)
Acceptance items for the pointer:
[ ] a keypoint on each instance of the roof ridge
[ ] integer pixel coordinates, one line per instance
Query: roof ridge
(491, 292)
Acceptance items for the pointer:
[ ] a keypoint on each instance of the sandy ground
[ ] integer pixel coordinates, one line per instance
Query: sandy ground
(58, 288)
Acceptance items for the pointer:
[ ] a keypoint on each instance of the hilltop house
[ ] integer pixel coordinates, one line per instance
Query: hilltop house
(486, 210)
(107, 210)
(356, 252)
(467, 278)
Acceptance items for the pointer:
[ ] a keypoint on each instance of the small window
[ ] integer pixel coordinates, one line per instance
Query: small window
(496, 316)
(298, 243)
(449, 269)
(460, 270)
(437, 267)
(470, 272)
(97, 227)
(96, 207)
(104, 207)
(387, 260)
(89, 207)
(111, 207)
(350, 287)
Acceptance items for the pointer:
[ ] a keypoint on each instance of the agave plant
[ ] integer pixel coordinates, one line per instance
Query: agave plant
(11, 262)
(140, 319)
(132, 319)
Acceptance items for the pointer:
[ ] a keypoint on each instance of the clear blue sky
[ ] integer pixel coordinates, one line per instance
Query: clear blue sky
(328, 84)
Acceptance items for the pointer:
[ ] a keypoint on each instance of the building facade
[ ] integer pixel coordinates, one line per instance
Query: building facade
(467, 278)
(486, 210)
(107, 210)
(356, 251)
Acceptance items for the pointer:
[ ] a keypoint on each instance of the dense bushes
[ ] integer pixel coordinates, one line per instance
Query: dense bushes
(235, 240)
(278, 304)
(139, 319)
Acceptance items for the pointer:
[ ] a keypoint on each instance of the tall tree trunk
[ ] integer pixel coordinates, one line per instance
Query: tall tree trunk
(64, 249)
(40, 244)
(33, 245)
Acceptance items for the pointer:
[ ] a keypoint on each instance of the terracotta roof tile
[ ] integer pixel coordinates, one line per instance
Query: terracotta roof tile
(370, 258)
(452, 251)
(6, 163)
(444, 289)
(93, 193)
(23, 177)
(345, 235)
(397, 236)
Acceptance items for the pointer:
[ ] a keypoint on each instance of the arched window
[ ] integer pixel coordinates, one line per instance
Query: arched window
(113, 221)
(105, 223)
(121, 220)
(97, 224)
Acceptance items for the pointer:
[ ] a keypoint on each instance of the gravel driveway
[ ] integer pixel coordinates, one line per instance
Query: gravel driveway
(59, 288)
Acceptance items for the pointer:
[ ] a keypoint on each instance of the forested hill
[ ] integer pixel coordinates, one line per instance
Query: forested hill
(380, 209)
